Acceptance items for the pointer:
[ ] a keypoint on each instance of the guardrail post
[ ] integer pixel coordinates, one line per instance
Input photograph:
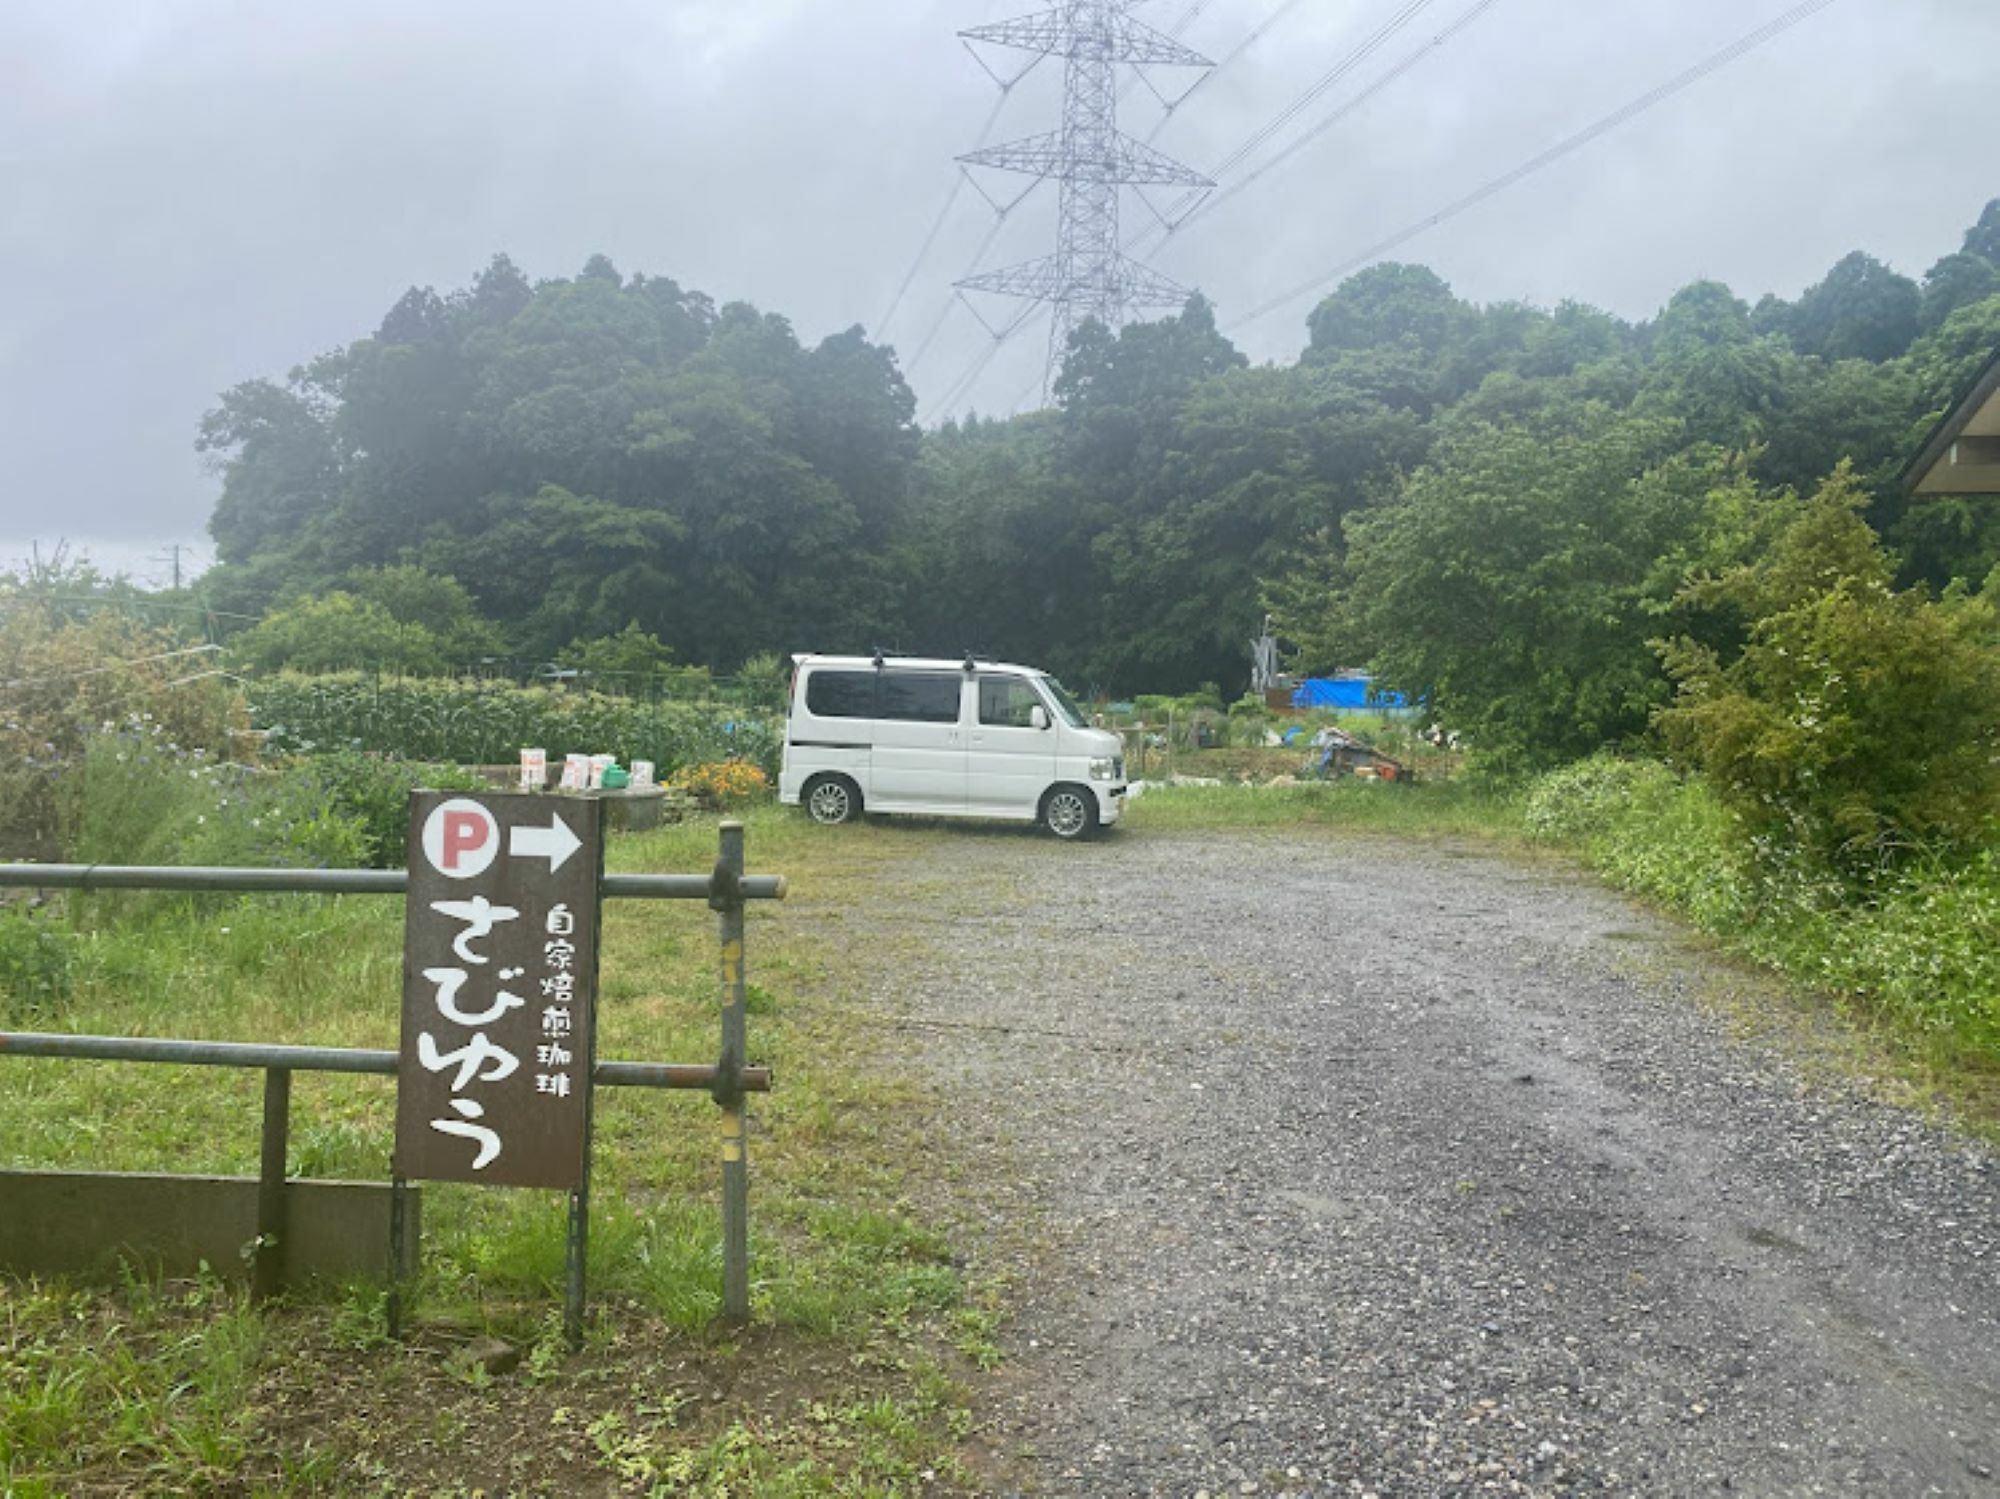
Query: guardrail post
(576, 1254)
(267, 1274)
(392, 1309)
(728, 901)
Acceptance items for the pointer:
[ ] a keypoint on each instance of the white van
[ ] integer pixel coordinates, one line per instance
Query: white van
(967, 738)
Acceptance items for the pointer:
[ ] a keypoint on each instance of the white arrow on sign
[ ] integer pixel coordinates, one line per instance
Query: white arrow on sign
(554, 843)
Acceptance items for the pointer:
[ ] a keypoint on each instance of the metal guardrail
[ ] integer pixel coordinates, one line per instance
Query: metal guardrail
(726, 890)
(343, 881)
(666, 1075)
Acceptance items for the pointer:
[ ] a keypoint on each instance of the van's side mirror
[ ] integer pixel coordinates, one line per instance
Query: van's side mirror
(1038, 717)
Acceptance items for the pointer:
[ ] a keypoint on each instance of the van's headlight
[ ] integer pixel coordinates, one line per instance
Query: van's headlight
(1104, 770)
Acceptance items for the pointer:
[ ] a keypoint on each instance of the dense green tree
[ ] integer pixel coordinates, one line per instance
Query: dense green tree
(1825, 414)
(1983, 238)
(1514, 582)
(631, 653)
(1862, 310)
(1956, 281)
(338, 632)
(282, 463)
(440, 604)
(1709, 370)
(728, 489)
(1857, 724)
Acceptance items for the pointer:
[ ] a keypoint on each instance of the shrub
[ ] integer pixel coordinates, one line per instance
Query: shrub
(632, 652)
(66, 680)
(338, 631)
(147, 800)
(373, 791)
(1858, 724)
(1250, 718)
(762, 682)
(440, 604)
(1930, 949)
(1591, 797)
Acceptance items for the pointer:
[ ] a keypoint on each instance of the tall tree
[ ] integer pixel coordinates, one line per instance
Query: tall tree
(1862, 310)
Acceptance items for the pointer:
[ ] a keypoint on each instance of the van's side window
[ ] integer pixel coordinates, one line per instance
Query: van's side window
(841, 694)
(921, 696)
(1006, 702)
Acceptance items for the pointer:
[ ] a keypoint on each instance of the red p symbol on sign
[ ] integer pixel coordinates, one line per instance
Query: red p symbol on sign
(461, 839)
(464, 832)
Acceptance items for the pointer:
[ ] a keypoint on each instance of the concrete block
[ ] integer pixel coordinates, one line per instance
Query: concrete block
(82, 1224)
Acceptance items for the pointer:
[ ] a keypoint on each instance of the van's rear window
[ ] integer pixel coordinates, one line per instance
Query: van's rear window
(841, 694)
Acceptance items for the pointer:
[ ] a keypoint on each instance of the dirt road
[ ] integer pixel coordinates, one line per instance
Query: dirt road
(1341, 1166)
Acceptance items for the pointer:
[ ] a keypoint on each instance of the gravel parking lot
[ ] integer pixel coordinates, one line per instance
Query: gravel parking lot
(1329, 1165)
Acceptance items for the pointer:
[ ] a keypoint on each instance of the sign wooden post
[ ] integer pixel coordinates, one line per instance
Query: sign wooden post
(500, 953)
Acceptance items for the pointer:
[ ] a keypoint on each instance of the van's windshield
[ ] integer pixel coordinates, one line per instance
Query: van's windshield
(1065, 704)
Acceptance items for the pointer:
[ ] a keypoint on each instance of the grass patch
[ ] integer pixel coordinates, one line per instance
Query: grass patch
(1416, 809)
(844, 1383)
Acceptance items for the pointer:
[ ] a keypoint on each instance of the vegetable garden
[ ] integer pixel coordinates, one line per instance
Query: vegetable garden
(483, 723)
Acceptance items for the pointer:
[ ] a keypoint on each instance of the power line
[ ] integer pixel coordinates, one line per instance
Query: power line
(98, 671)
(962, 386)
(1187, 18)
(26, 596)
(1411, 60)
(1222, 62)
(1368, 48)
(944, 312)
(173, 557)
(944, 211)
(1742, 46)
(1353, 59)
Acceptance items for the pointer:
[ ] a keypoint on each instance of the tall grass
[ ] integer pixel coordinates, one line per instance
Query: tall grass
(1919, 948)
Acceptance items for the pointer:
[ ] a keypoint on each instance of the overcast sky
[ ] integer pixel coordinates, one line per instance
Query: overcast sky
(195, 192)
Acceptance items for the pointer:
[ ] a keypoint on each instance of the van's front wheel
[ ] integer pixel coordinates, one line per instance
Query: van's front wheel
(1070, 812)
(832, 799)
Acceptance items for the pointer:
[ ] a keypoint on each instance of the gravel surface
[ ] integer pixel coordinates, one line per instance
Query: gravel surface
(1334, 1165)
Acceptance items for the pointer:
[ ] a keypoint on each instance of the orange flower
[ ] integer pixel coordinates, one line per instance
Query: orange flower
(721, 782)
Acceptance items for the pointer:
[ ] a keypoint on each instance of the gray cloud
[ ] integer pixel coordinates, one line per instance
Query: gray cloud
(199, 191)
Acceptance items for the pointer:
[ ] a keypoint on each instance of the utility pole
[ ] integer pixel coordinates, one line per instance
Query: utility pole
(173, 556)
(1089, 276)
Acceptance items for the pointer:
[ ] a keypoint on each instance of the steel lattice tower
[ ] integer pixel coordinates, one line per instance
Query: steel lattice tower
(1089, 276)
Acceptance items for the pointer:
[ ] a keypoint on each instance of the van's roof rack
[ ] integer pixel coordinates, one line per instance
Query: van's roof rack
(882, 654)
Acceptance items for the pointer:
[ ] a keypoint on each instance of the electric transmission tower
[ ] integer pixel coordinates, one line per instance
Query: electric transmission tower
(1088, 276)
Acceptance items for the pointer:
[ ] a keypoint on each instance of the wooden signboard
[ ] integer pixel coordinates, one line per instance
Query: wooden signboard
(499, 989)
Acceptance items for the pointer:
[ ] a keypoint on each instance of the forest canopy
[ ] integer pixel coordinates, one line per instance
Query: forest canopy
(1498, 507)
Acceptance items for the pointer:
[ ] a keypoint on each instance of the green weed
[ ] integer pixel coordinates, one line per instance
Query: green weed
(1917, 947)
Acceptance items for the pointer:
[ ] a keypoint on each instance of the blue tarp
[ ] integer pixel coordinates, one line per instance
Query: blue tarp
(1342, 692)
